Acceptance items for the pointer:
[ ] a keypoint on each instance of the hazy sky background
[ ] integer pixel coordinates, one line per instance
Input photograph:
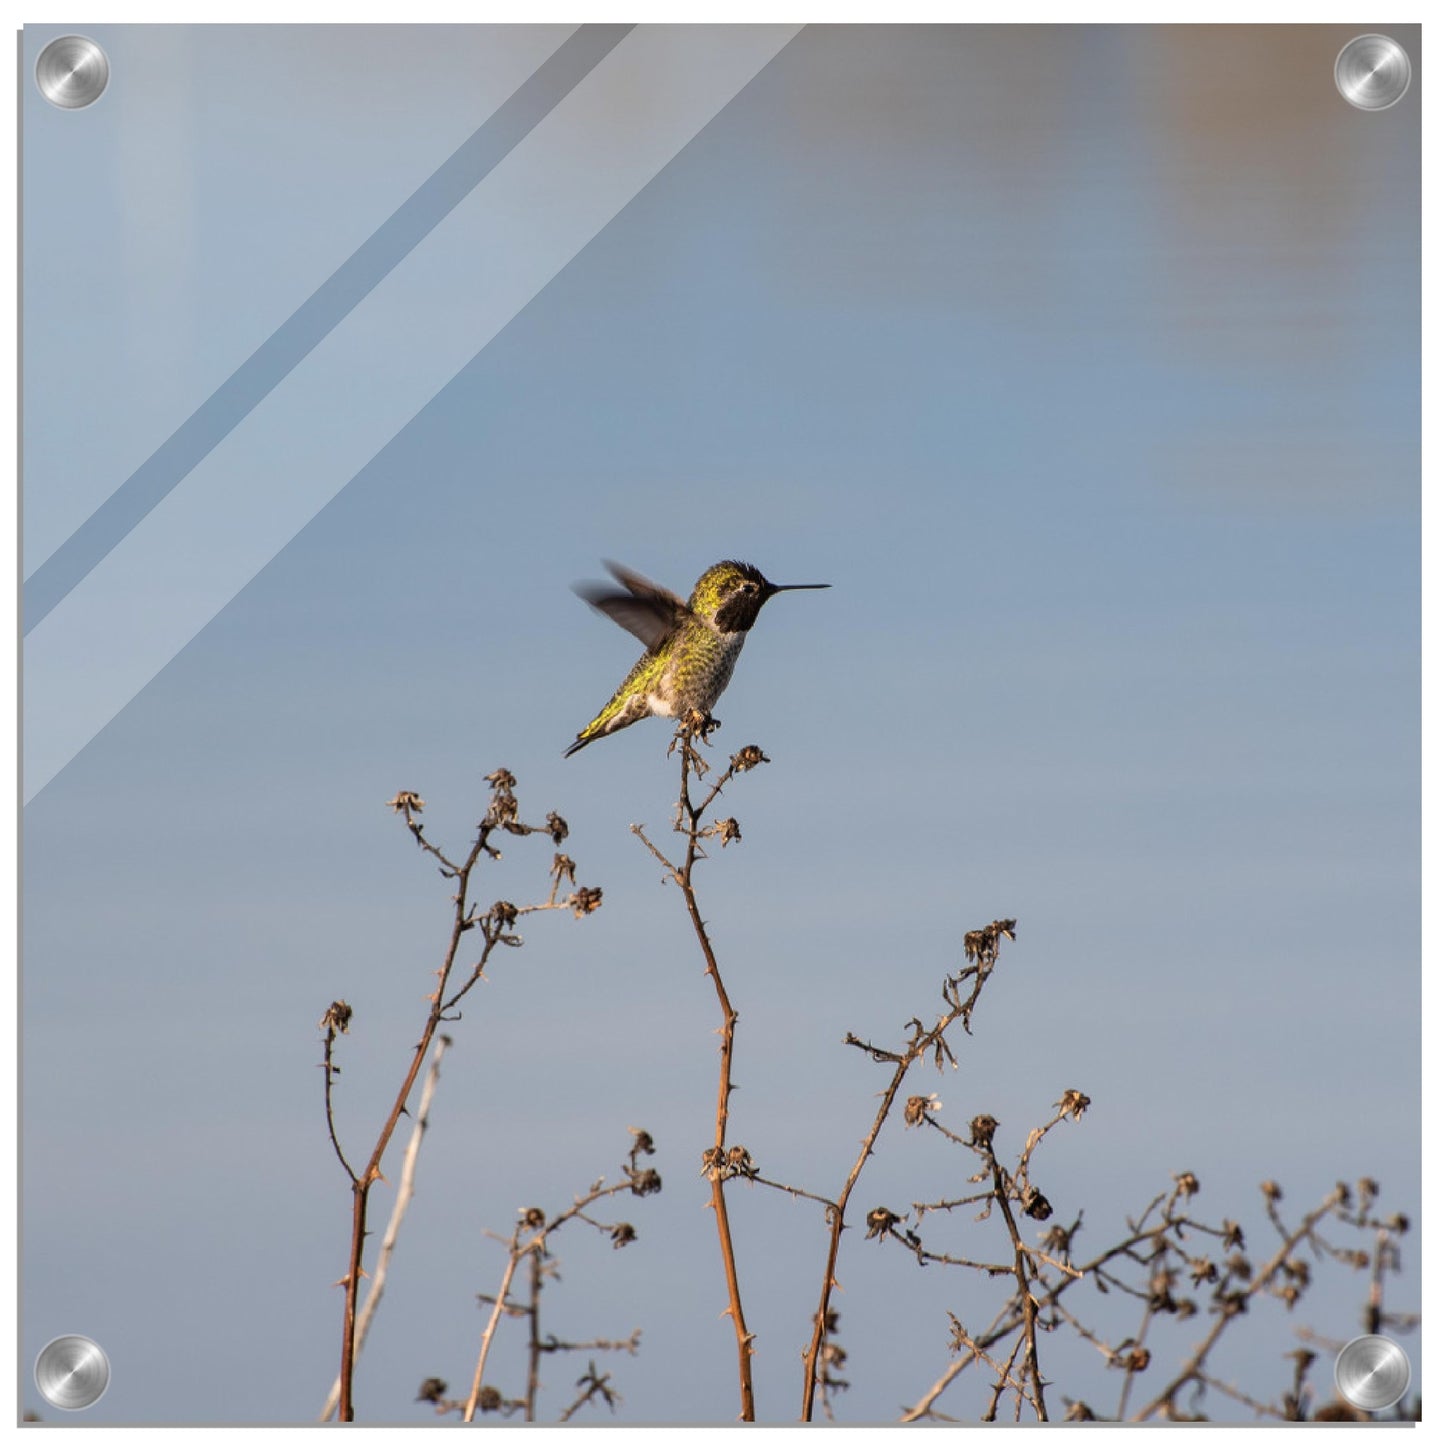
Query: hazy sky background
(1083, 362)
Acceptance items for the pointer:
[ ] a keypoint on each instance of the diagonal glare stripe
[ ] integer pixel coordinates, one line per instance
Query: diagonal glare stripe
(316, 317)
(373, 374)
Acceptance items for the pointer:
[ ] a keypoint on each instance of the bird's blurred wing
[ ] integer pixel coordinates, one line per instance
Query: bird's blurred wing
(649, 612)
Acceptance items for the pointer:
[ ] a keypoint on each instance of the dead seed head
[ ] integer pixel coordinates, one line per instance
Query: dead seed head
(1134, 1358)
(980, 945)
(406, 802)
(1034, 1203)
(1073, 1103)
(336, 1019)
(585, 901)
(918, 1107)
(645, 1182)
(981, 1130)
(749, 758)
(739, 1164)
(880, 1221)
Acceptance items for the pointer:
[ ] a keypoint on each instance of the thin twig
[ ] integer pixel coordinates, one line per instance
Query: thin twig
(406, 1188)
(514, 1254)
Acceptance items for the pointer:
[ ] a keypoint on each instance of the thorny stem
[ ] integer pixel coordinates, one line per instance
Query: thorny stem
(902, 1061)
(836, 1209)
(1194, 1367)
(361, 1185)
(534, 1338)
(330, 1071)
(405, 1190)
(500, 814)
(689, 818)
(1028, 1303)
(536, 1248)
(693, 815)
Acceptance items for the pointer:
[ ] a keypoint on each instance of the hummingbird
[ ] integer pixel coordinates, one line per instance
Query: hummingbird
(692, 646)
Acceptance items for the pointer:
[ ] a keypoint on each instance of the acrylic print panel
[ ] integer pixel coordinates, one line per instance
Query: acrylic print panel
(1082, 362)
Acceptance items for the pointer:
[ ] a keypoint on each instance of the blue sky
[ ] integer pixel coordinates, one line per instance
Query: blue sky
(1082, 362)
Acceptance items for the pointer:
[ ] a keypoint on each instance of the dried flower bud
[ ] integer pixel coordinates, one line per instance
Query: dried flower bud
(532, 1218)
(727, 829)
(980, 945)
(623, 1235)
(563, 867)
(1073, 1103)
(557, 827)
(585, 901)
(1233, 1235)
(981, 1130)
(1188, 1184)
(406, 802)
(739, 1164)
(1034, 1203)
(641, 1143)
(337, 1018)
(918, 1107)
(645, 1182)
(1136, 1360)
(1057, 1240)
(880, 1221)
(748, 759)
(1272, 1191)
(432, 1390)
(1203, 1271)
(504, 914)
(502, 779)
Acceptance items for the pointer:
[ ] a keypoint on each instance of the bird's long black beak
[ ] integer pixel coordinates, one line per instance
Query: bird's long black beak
(772, 587)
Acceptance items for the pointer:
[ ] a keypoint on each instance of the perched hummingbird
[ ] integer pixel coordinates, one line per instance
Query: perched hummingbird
(692, 646)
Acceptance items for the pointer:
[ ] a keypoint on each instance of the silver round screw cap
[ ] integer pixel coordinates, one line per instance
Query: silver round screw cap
(72, 72)
(1372, 72)
(72, 1372)
(1372, 1372)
